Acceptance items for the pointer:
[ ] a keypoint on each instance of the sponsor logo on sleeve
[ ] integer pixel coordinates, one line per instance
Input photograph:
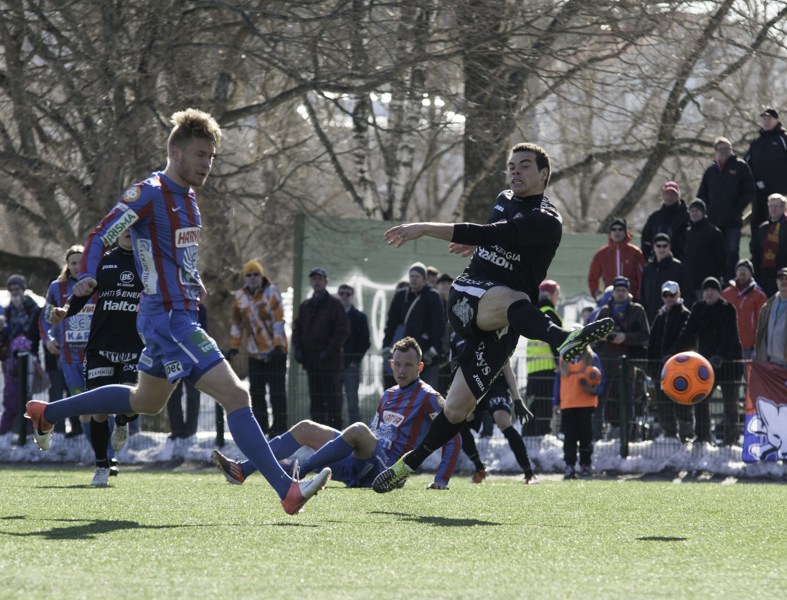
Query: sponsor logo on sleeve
(113, 232)
(131, 194)
(172, 368)
(145, 359)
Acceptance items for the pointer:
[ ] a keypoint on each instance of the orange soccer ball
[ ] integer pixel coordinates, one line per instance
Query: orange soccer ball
(687, 378)
(589, 376)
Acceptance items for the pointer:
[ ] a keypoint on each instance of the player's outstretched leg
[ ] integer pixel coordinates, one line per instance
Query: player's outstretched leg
(231, 469)
(578, 339)
(42, 429)
(393, 477)
(301, 491)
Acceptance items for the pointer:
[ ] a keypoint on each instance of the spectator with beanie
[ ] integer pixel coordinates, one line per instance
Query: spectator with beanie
(704, 251)
(542, 363)
(664, 334)
(672, 219)
(767, 158)
(712, 330)
(419, 312)
(630, 337)
(258, 312)
(355, 347)
(661, 267)
(619, 258)
(769, 246)
(318, 336)
(727, 188)
(771, 341)
(748, 299)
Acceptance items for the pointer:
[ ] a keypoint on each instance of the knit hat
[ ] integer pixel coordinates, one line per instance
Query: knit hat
(549, 286)
(671, 185)
(621, 281)
(16, 280)
(699, 203)
(661, 237)
(711, 282)
(420, 267)
(618, 221)
(744, 262)
(252, 265)
(318, 271)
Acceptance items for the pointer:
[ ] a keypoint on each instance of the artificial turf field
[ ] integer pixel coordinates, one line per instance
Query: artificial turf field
(188, 534)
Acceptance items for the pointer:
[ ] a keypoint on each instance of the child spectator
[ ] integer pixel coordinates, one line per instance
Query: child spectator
(577, 401)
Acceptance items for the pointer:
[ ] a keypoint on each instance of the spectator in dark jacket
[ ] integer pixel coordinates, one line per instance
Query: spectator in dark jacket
(663, 266)
(318, 336)
(727, 188)
(664, 334)
(712, 330)
(672, 218)
(420, 311)
(355, 348)
(629, 337)
(703, 248)
(769, 246)
(767, 158)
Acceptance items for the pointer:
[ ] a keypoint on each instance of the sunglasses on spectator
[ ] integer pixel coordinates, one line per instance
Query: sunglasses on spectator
(345, 293)
(662, 245)
(667, 295)
(252, 274)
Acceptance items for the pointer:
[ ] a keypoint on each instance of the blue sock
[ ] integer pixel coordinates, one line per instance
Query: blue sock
(110, 399)
(248, 437)
(334, 450)
(86, 431)
(282, 447)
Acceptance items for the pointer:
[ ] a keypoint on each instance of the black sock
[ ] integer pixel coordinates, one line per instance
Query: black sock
(122, 419)
(440, 433)
(99, 435)
(529, 322)
(519, 449)
(469, 447)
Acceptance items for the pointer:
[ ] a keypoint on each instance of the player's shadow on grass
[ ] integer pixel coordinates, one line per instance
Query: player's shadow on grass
(83, 529)
(658, 538)
(438, 521)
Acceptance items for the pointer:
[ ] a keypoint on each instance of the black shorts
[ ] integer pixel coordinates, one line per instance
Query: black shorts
(498, 398)
(485, 353)
(100, 371)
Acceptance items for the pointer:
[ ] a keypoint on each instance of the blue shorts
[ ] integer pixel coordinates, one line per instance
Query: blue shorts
(176, 347)
(346, 471)
(74, 374)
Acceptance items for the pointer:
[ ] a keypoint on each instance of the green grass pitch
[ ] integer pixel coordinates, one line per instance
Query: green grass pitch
(188, 534)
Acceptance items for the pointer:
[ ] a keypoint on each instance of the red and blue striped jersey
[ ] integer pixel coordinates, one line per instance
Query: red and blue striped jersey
(402, 420)
(165, 225)
(72, 332)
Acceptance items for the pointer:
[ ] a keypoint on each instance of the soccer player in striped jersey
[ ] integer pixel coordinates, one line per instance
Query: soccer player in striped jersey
(359, 453)
(165, 223)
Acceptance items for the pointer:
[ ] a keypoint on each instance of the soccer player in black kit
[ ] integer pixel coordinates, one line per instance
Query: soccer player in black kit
(114, 346)
(490, 304)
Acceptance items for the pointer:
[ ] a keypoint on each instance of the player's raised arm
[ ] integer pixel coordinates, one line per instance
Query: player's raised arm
(406, 233)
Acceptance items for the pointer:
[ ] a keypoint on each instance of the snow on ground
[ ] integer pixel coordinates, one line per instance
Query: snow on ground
(546, 453)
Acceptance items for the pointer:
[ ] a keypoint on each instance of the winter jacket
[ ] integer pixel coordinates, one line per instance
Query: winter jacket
(421, 313)
(672, 220)
(766, 278)
(636, 329)
(321, 325)
(712, 330)
(261, 317)
(358, 341)
(704, 252)
(727, 192)
(653, 277)
(761, 341)
(767, 158)
(614, 260)
(666, 331)
(748, 303)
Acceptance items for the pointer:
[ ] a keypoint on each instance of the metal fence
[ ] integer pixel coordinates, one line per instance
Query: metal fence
(633, 387)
